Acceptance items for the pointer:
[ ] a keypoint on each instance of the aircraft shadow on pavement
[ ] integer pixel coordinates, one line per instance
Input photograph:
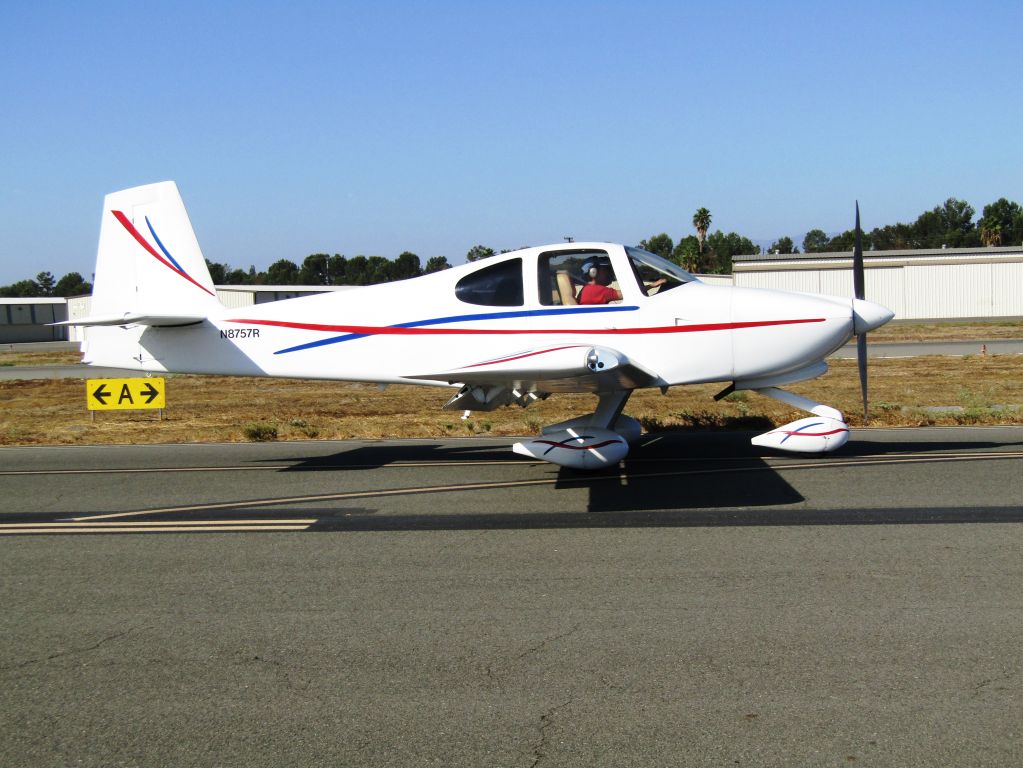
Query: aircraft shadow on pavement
(383, 453)
(871, 448)
(666, 447)
(670, 480)
(674, 475)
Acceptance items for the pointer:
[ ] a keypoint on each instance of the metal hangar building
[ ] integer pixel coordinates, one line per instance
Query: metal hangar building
(936, 284)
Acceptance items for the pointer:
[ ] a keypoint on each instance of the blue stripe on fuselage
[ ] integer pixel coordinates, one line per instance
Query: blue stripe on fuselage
(462, 319)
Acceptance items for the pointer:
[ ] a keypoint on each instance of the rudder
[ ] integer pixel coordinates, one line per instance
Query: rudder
(149, 262)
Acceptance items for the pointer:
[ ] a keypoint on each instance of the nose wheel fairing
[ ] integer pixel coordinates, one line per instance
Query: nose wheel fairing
(823, 432)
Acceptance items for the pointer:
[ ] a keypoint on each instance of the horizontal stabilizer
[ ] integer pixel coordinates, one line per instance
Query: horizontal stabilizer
(134, 318)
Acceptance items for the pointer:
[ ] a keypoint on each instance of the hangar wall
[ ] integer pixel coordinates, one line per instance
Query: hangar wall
(25, 320)
(947, 283)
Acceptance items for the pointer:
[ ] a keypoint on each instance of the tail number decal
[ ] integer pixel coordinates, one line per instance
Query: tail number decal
(240, 333)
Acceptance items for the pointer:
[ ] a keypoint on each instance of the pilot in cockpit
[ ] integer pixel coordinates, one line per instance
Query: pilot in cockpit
(599, 289)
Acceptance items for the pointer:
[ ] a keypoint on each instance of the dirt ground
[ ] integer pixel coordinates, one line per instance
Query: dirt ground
(968, 390)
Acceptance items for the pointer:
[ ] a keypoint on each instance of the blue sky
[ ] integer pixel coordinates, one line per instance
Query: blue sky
(363, 128)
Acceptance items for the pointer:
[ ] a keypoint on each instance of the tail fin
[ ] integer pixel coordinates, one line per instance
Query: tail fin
(149, 269)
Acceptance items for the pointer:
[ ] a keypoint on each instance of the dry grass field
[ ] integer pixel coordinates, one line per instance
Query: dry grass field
(982, 389)
(969, 390)
(949, 331)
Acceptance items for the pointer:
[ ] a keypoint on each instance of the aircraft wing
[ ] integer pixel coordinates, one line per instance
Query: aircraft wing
(565, 368)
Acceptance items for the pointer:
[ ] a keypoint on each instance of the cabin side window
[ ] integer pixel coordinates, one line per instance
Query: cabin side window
(498, 285)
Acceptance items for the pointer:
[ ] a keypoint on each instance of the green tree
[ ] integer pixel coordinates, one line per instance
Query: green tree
(783, 245)
(949, 224)
(890, 237)
(687, 253)
(315, 270)
(436, 264)
(660, 244)
(21, 289)
(844, 241)
(721, 248)
(815, 241)
(46, 281)
(282, 272)
(357, 271)
(236, 277)
(929, 230)
(218, 272)
(72, 284)
(478, 252)
(405, 266)
(337, 269)
(1001, 223)
(701, 220)
(957, 216)
(379, 270)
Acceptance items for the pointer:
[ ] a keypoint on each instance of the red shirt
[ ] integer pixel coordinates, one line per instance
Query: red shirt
(594, 293)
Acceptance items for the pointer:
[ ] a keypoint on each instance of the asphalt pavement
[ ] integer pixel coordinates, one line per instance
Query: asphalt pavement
(446, 603)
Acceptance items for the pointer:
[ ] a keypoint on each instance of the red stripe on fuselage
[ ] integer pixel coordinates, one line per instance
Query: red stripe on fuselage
(145, 244)
(527, 354)
(388, 330)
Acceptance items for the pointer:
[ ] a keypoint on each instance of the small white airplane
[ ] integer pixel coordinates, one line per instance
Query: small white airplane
(510, 329)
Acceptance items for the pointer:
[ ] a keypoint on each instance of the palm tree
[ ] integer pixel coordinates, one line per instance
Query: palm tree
(701, 220)
(990, 236)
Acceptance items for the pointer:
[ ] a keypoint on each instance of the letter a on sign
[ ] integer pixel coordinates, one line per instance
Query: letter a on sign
(125, 394)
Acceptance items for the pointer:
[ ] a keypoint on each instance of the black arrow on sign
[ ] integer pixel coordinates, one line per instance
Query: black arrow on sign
(150, 392)
(101, 394)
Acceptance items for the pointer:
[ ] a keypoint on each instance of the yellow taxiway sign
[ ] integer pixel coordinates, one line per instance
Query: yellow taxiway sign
(125, 394)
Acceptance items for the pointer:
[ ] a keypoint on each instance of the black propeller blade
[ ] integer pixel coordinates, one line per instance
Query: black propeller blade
(858, 258)
(858, 290)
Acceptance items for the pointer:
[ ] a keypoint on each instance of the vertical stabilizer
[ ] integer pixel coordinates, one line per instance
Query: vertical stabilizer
(149, 262)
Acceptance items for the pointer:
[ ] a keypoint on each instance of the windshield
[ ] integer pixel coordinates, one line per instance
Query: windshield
(656, 274)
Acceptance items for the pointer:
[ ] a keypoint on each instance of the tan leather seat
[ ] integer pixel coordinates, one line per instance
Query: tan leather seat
(565, 288)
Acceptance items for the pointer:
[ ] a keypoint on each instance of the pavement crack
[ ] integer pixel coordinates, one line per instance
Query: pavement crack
(548, 640)
(983, 685)
(70, 651)
(494, 672)
(494, 677)
(546, 721)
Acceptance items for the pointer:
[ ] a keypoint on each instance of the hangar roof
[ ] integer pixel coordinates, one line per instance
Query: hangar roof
(915, 253)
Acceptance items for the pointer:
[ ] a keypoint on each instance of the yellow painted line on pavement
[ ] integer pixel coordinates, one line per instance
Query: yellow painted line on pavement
(127, 528)
(157, 523)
